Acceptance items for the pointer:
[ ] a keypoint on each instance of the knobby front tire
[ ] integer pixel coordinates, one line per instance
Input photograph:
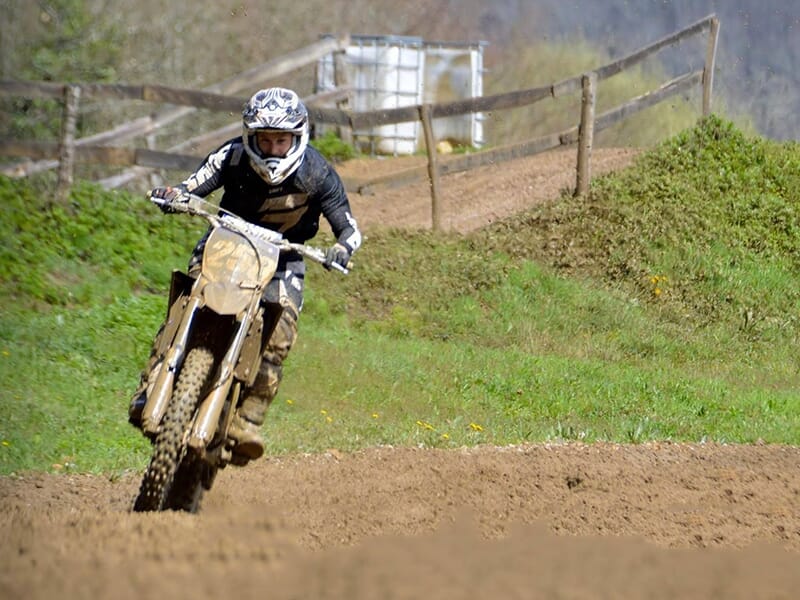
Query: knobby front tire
(155, 492)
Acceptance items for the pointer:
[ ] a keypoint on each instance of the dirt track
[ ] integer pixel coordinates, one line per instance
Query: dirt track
(544, 521)
(573, 521)
(473, 198)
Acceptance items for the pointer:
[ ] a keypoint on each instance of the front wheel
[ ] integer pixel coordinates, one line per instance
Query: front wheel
(186, 490)
(169, 452)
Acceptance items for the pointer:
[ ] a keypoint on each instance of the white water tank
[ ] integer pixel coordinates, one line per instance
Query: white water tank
(395, 71)
(455, 73)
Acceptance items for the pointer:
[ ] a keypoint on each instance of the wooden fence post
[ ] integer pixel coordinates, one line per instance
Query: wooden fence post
(341, 78)
(150, 142)
(66, 155)
(708, 71)
(426, 116)
(586, 133)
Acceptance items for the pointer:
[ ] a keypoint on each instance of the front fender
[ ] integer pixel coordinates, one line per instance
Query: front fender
(179, 290)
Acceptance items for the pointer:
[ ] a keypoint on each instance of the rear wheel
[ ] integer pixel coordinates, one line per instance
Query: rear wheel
(173, 479)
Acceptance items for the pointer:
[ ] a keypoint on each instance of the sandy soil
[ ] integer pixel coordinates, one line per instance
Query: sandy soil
(540, 521)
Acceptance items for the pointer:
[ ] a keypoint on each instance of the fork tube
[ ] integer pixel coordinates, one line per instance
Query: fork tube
(205, 425)
(162, 390)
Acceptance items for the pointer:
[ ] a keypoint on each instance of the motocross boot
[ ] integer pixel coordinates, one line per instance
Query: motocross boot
(245, 427)
(136, 407)
(139, 399)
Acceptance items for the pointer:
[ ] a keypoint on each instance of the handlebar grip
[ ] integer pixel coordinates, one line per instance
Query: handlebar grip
(340, 268)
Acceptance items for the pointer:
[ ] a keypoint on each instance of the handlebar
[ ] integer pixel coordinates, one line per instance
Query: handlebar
(200, 207)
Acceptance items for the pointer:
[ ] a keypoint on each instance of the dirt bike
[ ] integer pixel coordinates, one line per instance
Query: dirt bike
(208, 351)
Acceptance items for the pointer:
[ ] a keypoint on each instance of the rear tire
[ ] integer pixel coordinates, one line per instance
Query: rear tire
(173, 480)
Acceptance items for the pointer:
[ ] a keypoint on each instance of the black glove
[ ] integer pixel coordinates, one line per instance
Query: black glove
(338, 254)
(170, 194)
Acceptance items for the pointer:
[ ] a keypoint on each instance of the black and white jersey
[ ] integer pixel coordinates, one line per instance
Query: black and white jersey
(292, 207)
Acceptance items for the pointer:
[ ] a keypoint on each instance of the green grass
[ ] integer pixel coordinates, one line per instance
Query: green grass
(663, 306)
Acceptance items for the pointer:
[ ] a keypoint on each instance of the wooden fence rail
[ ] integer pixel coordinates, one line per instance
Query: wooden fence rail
(183, 99)
(217, 98)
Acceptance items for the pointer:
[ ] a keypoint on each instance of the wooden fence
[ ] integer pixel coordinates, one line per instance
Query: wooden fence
(217, 97)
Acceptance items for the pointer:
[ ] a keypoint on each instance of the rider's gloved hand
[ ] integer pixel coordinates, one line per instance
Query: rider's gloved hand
(171, 195)
(338, 254)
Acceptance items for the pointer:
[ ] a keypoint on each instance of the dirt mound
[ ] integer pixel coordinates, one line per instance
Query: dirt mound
(540, 521)
(550, 521)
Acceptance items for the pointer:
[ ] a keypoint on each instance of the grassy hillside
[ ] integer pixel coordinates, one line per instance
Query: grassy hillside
(661, 307)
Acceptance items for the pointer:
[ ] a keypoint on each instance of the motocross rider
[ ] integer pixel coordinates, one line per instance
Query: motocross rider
(270, 176)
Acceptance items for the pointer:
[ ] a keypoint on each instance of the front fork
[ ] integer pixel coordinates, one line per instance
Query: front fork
(238, 369)
(159, 396)
(238, 366)
(207, 420)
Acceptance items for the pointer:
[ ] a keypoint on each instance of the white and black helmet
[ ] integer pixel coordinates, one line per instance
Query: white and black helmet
(275, 109)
